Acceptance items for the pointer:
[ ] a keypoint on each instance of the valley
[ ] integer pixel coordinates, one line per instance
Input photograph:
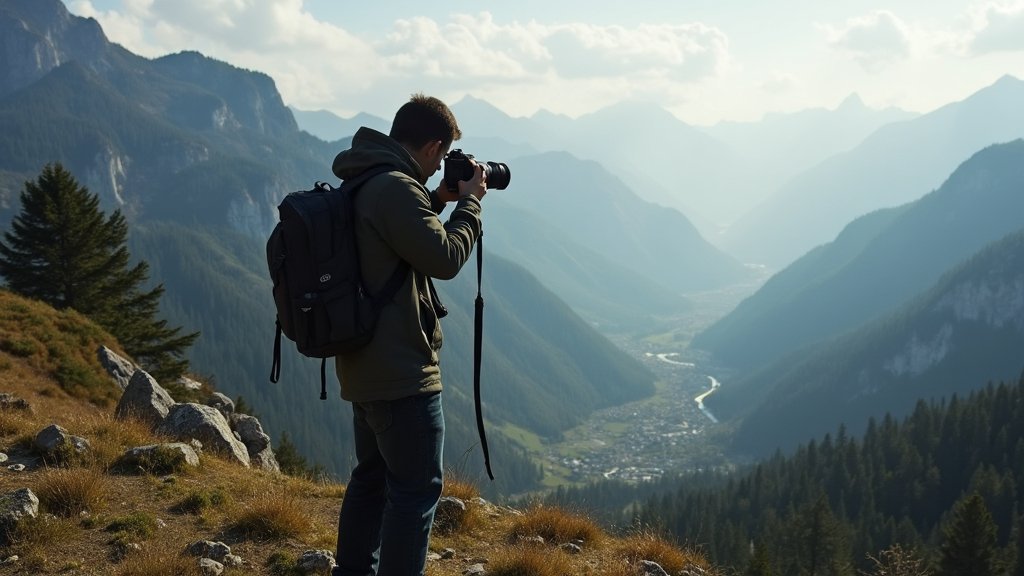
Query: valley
(667, 432)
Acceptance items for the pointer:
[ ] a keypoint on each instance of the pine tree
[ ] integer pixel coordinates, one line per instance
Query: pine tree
(969, 540)
(62, 250)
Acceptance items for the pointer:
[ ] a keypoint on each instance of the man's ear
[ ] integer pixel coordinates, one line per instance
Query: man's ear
(434, 147)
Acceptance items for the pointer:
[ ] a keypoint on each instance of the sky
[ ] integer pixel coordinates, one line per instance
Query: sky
(706, 61)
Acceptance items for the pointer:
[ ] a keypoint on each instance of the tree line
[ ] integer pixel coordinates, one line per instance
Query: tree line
(944, 487)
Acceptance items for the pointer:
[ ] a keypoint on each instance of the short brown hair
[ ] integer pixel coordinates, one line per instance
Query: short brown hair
(424, 119)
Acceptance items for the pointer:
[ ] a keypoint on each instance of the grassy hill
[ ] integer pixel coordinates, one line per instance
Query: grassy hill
(97, 518)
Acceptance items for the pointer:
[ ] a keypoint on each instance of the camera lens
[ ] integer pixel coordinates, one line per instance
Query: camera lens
(498, 175)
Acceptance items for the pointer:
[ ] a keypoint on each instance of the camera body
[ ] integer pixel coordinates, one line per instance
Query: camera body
(459, 166)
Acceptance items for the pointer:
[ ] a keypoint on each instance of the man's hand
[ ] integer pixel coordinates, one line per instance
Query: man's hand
(476, 186)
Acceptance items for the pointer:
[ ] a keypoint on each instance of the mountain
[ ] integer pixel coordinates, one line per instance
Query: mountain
(197, 154)
(896, 164)
(964, 332)
(876, 264)
(782, 145)
(330, 127)
(599, 211)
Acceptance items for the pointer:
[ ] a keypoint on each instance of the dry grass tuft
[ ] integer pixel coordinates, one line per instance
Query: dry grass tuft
(530, 561)
(111, 437)
(648, 545)
(556, 526)
(272, 514)
(33, 537)
(68, 492)
(160, 562)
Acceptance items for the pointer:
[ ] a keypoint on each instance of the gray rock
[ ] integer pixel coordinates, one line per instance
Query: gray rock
(54, 442)
(449, 513)
(146, 456)
(12, 402)
(474, 570)
(206, 424)
(571, 548)
(222, 403)
(447, 554)
(189, 384)
(257, 442)
(208, 549)
(652, 568)
(118, 367)
(232, 561)
(316, 562)
(144, 399)
(210, 567)
(14, 507)
(16, 467)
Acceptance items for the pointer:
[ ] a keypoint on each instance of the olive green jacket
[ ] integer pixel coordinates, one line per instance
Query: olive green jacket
(397, 219)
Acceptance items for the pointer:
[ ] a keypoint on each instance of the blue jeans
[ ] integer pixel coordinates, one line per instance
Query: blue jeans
(388, 509)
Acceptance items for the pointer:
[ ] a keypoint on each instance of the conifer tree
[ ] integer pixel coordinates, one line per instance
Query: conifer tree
(969, 540)
(62, 250)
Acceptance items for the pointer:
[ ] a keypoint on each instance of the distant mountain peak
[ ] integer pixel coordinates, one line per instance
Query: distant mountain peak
(852, 102)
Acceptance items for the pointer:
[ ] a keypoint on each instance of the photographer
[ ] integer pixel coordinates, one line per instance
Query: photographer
(394, 383)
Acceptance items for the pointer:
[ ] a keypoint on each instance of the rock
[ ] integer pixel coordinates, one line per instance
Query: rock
(119, 368)
(161, 458)
(15, 507)
(571, 548)
(189, 384)
(649, 568)
(16, 467)
(144, 399)
(433, 557)
(232, 561)
(10, 560)
(55, 443)
(210, 567)
(257, 442)
(206, 424)
(222, 403)
(447, 554)
(208, 549)
(316, 562)
(449, 514)
(474, 570)
(3, 457)
(12, 402)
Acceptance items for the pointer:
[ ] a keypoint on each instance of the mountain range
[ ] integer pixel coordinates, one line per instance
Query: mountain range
(917, 301)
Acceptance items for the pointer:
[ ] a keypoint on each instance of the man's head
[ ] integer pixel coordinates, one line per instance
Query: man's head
(426, 127)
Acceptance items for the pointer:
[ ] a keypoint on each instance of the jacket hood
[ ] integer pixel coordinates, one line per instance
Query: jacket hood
(371, 148)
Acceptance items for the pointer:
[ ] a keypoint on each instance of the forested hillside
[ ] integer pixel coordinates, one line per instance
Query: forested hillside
(836, 500)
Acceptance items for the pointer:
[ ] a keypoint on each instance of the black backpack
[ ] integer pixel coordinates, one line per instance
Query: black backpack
(314, 264)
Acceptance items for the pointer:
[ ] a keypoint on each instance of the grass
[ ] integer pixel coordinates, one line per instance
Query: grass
(158, 562)
(69, 492)
(530, 561)
(450, 519)
(202, 500)
(557, 526)
(274, 514)
(647, 545)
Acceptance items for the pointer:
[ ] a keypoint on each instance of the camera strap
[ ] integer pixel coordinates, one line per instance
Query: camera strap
(478, 342)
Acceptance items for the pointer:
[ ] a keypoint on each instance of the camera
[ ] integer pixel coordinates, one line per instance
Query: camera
(458, 166)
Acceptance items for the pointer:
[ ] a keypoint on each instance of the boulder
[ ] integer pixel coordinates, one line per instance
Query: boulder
(257, 442)
(15, 507)
(222, 403)
(316, 562)
(118, 367)
(144, 399)
(12, 402)
(204, 423)
(161, 458)
(55, 443)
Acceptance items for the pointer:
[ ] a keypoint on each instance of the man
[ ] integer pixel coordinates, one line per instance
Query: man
(394, 383)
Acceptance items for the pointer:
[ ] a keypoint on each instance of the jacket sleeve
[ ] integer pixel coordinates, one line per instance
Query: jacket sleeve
(408, 222)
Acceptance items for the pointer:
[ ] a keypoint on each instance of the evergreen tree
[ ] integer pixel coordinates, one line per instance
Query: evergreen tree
(62, 250)
(969, 540)
(288, 458)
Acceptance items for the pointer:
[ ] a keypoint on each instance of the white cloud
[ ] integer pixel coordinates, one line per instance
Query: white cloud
(874, 40)
(318, 64)
(999, 26)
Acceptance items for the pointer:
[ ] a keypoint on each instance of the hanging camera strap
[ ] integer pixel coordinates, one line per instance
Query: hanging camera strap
(478, 341)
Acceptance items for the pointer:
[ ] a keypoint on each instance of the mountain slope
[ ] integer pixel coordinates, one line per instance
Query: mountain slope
(878, 263)
(966, 331)
(898, 163)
